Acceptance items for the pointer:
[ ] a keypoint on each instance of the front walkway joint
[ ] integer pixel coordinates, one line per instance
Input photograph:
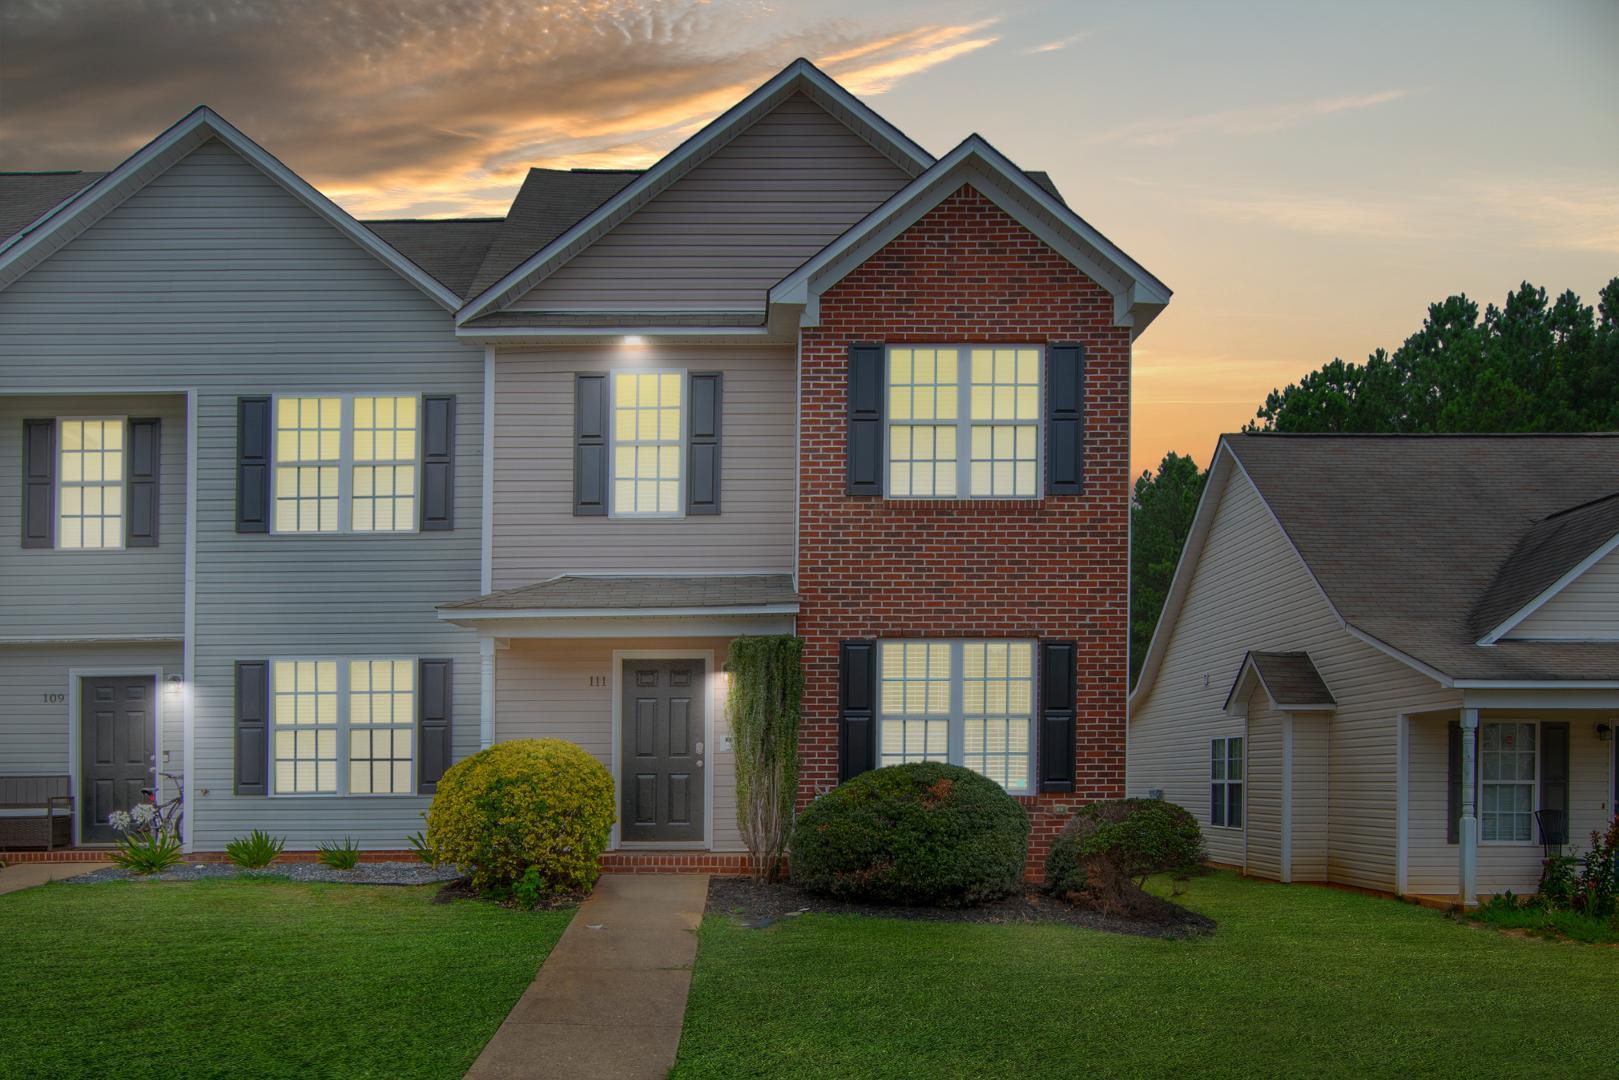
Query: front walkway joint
(610, 999)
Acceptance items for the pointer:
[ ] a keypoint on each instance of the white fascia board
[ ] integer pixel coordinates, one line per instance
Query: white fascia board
(1556, 587)
(1544, 697)
(589, 333)
(72, 217)
(799, 75)
(474, 615)
(1138, 295)
(1185, 568)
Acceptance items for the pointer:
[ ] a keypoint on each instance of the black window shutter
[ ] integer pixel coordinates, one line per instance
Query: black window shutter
(865, 419)
(252, 728)
(1065, 420)
(703, 444)
(1057, 693)
(252, 464)
(145, 451)
(1453, 786)
(1554, 782)
(438, 463)
(432, 723)
(589, 445)
(857, 700)
(39, 483)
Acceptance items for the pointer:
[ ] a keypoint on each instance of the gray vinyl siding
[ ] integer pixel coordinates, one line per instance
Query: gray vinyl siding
(1312, 785)
(536, 535)
(1264, 790)
(1433, 863)
(1250, 590)
(720, 236)
(34, 732)
(543, 691)
(136, 592)
(1586, 610)
(215, 278)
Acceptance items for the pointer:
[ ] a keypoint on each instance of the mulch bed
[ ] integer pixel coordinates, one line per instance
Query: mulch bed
(759, 906)
(376, 873)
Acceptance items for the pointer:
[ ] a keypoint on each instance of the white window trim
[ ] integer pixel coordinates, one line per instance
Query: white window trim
(612, 442)
(1478, 780)
(956, 719)
(342, 729)
(1227, 782)
(964, 425)
(56, 493)
(345, 463)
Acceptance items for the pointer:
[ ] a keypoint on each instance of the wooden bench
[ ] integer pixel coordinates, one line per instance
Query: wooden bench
(48, 829)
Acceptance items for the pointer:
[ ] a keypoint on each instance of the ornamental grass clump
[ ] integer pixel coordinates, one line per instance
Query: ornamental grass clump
(1105, 854)
(540, 804)
(256, 850)
(767, 685)
(923, 833)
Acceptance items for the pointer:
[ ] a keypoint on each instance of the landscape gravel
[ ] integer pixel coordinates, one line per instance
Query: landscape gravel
(379, 873)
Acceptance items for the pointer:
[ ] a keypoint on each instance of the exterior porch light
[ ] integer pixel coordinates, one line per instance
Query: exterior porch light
(173, 686)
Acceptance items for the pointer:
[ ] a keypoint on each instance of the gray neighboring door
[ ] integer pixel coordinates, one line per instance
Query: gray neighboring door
(661, 752)
(117, 741)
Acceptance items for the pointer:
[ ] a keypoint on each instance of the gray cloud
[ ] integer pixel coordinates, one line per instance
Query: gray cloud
(422, 107)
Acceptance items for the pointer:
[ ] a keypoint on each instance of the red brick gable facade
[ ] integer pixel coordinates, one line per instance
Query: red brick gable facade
(1056, 567)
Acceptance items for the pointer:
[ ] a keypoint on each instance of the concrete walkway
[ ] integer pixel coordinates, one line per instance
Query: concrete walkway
(610, 999)
(26, 875)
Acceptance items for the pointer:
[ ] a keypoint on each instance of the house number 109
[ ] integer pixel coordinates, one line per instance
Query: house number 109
(57, 698)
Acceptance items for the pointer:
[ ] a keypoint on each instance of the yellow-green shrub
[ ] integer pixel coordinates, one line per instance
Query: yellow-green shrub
(540, 803)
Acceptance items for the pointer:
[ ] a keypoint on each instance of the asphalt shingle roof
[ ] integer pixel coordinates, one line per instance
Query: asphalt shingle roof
(451, 250)
(613, 593)
(24, 196)
(548, 204)
(1291, 678)
(1408, 534)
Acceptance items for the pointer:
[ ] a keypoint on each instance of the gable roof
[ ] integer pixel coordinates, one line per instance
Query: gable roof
(451, 249)
(1138, 296)
(800, 76)
(31, 245)
(25, 197)
(1555, 551)
(1406, 535)
(1290, 681)
(546, 206)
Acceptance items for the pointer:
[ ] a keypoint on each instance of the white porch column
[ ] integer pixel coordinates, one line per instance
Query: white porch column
(486, 691)
(1468, 832)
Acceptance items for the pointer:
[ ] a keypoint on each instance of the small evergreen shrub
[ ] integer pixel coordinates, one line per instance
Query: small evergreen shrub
(923, 833)
(1108, 849)
(543, 804)
(254, 851)
(344, 856)
(148, 852)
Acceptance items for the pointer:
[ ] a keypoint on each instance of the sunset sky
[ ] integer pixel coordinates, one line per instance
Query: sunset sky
(1306, 177)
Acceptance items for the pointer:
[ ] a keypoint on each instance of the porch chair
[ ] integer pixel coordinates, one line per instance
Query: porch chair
(1553, 831)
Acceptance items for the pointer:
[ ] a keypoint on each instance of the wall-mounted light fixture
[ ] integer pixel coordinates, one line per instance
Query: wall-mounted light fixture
(173, 686)
(1605, 732)
(633, 340)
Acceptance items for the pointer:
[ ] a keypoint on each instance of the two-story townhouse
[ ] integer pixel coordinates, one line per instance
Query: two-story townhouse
(800, 375)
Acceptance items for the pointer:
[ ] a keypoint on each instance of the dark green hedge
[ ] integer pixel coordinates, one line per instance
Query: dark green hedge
(1109, 847)
(913, 834)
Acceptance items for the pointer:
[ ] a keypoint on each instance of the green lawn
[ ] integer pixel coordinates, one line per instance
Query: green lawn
(257, 978)
(1297, 980)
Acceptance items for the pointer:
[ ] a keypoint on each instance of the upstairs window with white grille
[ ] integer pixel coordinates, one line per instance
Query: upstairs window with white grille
(90, 496)
(346, 463)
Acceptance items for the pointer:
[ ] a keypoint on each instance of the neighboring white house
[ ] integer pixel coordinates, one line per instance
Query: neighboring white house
(1357, 623)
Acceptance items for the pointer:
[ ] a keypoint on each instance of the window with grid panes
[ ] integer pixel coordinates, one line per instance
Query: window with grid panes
(90, 496)
(969, 703)
(1508, 782)
(647, 433)
(963, 422)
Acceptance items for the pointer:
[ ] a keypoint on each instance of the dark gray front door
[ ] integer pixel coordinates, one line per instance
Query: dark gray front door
(116, 740)
(662, 751)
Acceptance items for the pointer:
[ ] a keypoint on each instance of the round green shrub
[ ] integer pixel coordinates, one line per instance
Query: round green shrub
(1106, 852)
(534, 804)
(925, 833)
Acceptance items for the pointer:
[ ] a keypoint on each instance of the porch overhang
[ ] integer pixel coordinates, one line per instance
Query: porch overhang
(639, 605)
(1290, 681)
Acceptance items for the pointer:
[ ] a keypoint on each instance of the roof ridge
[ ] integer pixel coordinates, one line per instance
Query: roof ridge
(434, 221)
(1580, 506)
(1422, 435)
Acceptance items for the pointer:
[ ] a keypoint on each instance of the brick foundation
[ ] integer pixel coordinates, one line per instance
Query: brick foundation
(720, 863)
(1055, 567)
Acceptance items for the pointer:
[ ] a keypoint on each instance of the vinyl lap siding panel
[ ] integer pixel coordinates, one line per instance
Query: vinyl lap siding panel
(543, 690)
(135, 592)
(536, 535)
(215, 278)
(1586, 610)
(1251, 591)
(1264, 790)
(1311, 786)
(720, 236)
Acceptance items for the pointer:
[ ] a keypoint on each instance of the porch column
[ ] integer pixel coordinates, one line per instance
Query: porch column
(486, 691)
(1467, 834)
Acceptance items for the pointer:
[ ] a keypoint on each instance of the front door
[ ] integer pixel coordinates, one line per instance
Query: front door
(662, 751)
(117, 741)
